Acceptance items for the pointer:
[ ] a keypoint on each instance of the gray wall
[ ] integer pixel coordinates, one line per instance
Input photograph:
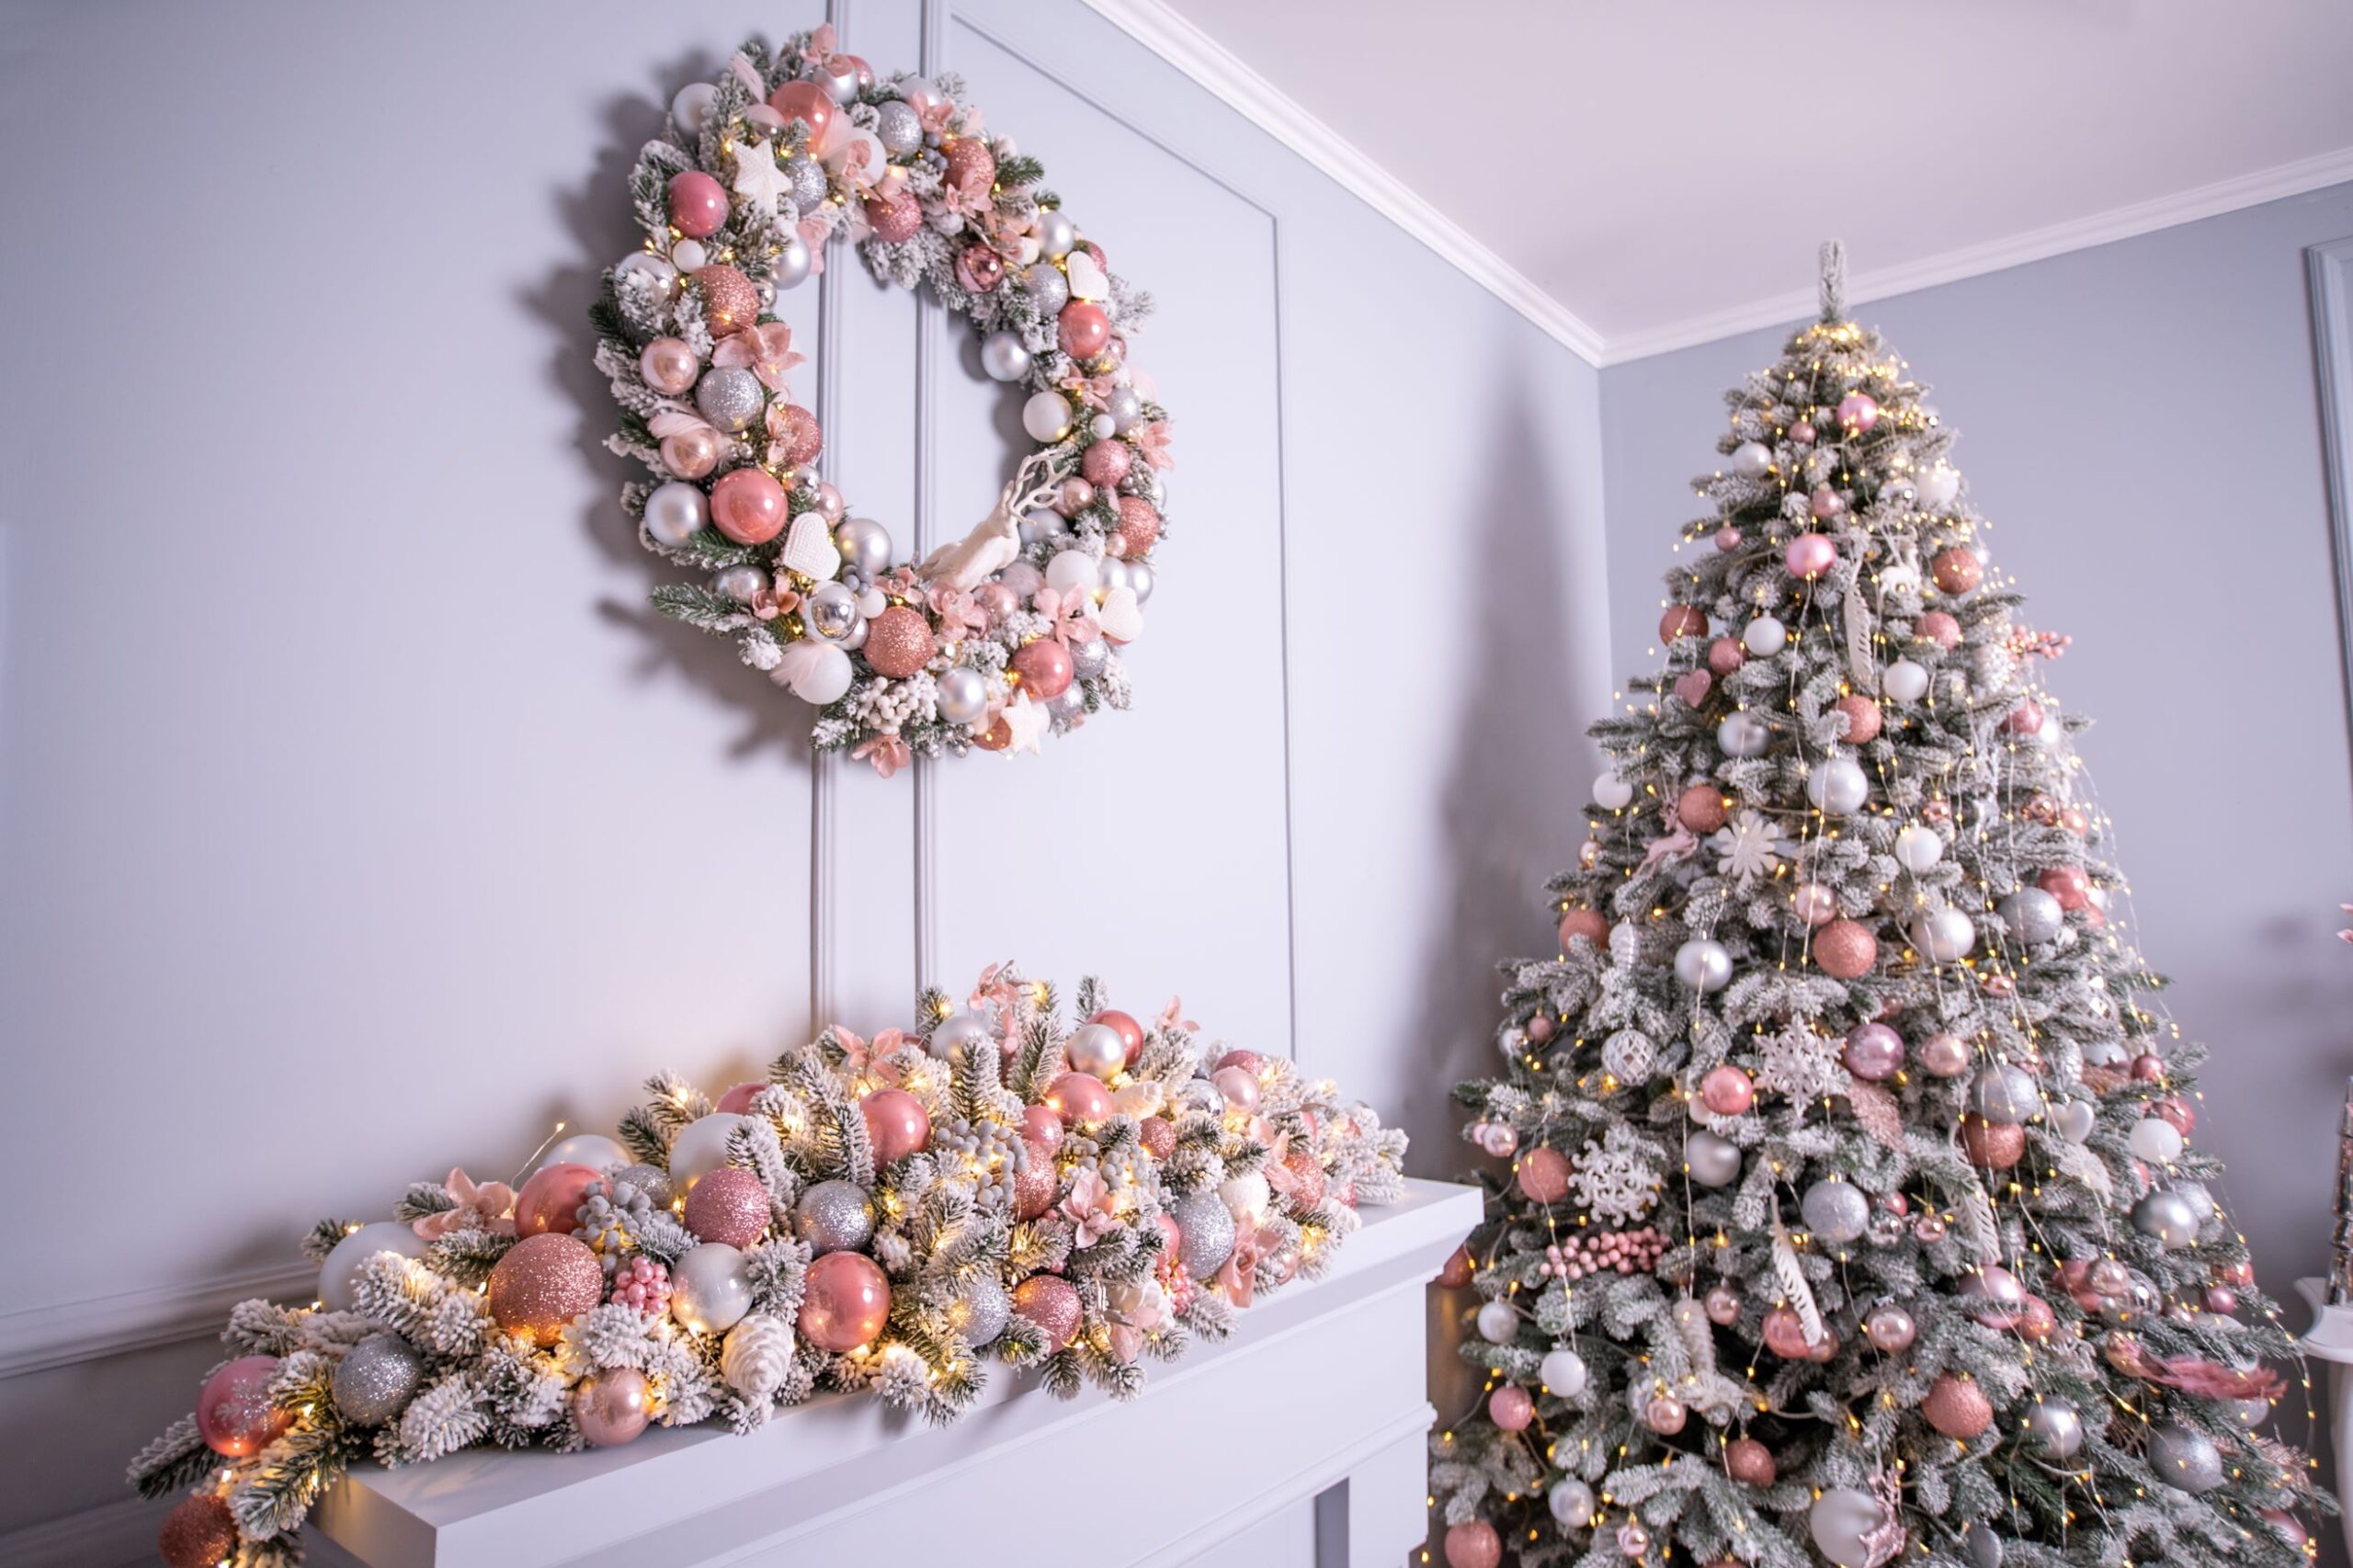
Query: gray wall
(2139, 422)
(355, 820)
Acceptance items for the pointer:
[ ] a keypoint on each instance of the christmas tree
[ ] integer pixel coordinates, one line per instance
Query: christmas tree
(1853, 1213)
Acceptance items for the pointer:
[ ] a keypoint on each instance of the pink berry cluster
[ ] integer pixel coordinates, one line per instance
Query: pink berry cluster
(643, 1284)
(1611, 1252)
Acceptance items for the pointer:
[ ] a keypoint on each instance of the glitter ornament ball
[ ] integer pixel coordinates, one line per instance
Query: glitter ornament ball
(1889, 1329)
(1957, 571)
(1510, 1408)
(542, 1283)
(1846, 949)
(1563, 1371)
(1750, 1462)
(199, 1532)
(1473, 1544)
(847, 1301)
(551, 1199)
(612, 1407)
(1863, 718)
(376, 1379)
(1034, 1185)
(896, 1124)
(1701, 808)
(1205, 1232)
(1996, 1145)
(2185, 1457)
(1836, 1211)
(1873, 1053)
(728, 1206)
(1544, 1175)
(1139, 526)
(730, 397)
(748, 506)
(729, 303)
(1957, 1407)
(339, 1273)
(1703, 964)
(795, 431)
(233, 1413)
(2031, 916)
(1051, 1302)
(1725, 1090)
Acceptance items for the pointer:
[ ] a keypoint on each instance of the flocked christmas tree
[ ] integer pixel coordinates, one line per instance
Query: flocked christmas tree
(1853, 1213)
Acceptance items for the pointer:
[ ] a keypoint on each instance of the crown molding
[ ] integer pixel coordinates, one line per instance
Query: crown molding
(38, 1339)
(1228, 78)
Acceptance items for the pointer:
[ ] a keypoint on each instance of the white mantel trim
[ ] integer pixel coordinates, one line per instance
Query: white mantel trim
(38, 1339)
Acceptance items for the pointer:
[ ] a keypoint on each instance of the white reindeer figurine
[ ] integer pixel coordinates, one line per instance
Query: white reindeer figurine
(996, 540)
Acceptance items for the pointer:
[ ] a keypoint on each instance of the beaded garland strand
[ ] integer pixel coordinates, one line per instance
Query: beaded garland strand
(995, 640)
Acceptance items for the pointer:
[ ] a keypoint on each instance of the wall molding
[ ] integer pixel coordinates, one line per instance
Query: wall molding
(39, 1338)
(111, 1533)
(2329, 268)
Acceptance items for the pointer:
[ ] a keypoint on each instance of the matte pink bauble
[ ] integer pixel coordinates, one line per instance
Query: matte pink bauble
(729, 303)
(1944, 1055)
(2038, 1322)
(1078, 1098)
(1727, 539)
(668, 366)
(1124, 1025)
(1037, 1181)
(1810, 555)
(1666, 1415)
(542, 1283)
(1957, 571)
(233, 1413)
(1074, 496)
(795, 431)
(1681, 621)
(612, 1407)
(748, 506)
(1723, 1305)
(551, 1198)
(1139, 528)
(899, 642)
(691, 453)
(1725, 654)
(996, 602)
(1051, 1302)
(1814, 904)
(1590, 923)
(808, 103)
(896, 1124)
(1701, 808)
(737, 1100)
(1726, 1090)
(1857, 412)
(1936, 627)
(728, 1205)
(1106, 462)
(1863, 718)
(847, 1301)
(1044, 668)
(1958, 1407)
(2025, 719)
(1239, 1086)
(1544, 1175)
(1040, 1122)
(1785, 1334)
(1845, 948)
(1874, 1052)
(2068, 884)
(1473, 1544)
(698, 204)
(894, 216)
(1750, 1462)
(1081, 329)
(1825, 503)
(1539, 1027)
(1510, 1408)
(1801, 434)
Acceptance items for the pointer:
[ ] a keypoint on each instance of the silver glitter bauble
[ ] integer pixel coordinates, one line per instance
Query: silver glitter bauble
(831, 612)
(1836, 1211)
(1703, 964)
(1090, 659)
(2031, 914)
(898, 127)
(808, 178)
(730, 396)
(2007, 1094)
(1139, 576)
(1743, 734)
(987, 1309)
(2185, 1457)
(961, 1029)
(1207, 1229)
(834, 1216)
(2168, 1217)
(676, 511)
(962, 695)
(1066, 707)
(1056, 233)
(644, 1181)
(2055, 1428)
(1124, 407)
(1712, 1160)
(1572, 1503)
(376, 1379)
(2200, 1199)
(1048, 287)
(794, 262)
(1097, 1049)
(2248, 1413)
(865, 544)
(1003, 358)
(739, 582)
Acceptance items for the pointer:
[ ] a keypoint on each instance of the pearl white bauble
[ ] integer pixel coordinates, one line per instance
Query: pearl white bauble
(1905, 681)
(1945, 934)
(792, 265)
(1836, 1211)
(2005, 1094)
(1497, 1323)
(1743, 734)
(1703, 964)
(1002, 358)
(711, 1290)
(1572, 1503)
(1937, 486)
(592, 1149)
(1838, 785)
(963, 694)
(2074, 1120)
(691, 105)
(341, 1268)
(1095, 1050)
(1919, 847)
(1562, 1373)
(1765, 636)
(1056, 232)
(1046, 417)
(676, 511)
(1612, 793)
(825, 674)
(1246, 1196)
(1073, 569)
(1713, 1161)
(689, 255)
(1752, 460)
(701, 1148)
(958, 1030)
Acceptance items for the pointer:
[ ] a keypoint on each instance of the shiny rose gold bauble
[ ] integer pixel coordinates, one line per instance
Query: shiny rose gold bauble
(690, 454)
(668, 366)
(808, 103)
(233, 1413)
(551, 1199)
(542, 1283)
(613, 1407)
(1750, 1462)
(847, 1303)
(1051, 1302)
(1078, 1098)
(1680, 621)
(896, 1124)
(728, 1205)
(979, 268)
(1958, 1407)
(899, 642)
(1044, 668)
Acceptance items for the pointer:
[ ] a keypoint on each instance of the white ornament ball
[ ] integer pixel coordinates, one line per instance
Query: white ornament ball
(1752, 460)
(1838, 785)
(1743, 734)
(701, 1148)
(585, 1149)
(823, 673)
(676, 511)
(1765, 636)
(1703, 964)
(1840, 1520)
(1497, 1323)
(794, 262)
(2157, 1141)
(1937, 486)
(691, 105)
(1095, 1050)
(1836, 1211)
(689, 255)
(711, 1290)
(1712, 1160)
(1572, 1503)
(1905, 680)
(1612, 793)
(342, 1265)
(1564, 1373)
(2056, 1428)
(1918, 848)
(963, 695)
(1046, 417)
(1945, 934)
(1073, 570)
(960, 1029)
(1246, 1196)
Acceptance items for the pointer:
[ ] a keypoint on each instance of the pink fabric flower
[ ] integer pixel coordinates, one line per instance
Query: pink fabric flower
(1095, 392)
(1237, 1278)
(887, 754)
(1070, 616)
(765, 351)
(966, 203)
(859, 1056)
(1152, 443)
(820, 44)
(1137, 1307)
(815, 233)
(487, 1207)
(937, 115)
(780, 599)
(959, 613)
(1172, 1017)
(1001, 988)
(1089, 1209)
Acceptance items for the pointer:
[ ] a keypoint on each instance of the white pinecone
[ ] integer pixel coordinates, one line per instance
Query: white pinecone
(757, 1355)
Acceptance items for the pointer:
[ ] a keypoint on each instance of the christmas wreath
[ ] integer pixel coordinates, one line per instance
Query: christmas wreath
(887, 1214)
(994, 639)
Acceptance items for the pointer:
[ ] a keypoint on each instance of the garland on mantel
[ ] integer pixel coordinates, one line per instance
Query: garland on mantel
(995, 640)
(888, 1214)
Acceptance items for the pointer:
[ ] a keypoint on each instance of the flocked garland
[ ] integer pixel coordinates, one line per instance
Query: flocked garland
(888, 1214)
(995, 640)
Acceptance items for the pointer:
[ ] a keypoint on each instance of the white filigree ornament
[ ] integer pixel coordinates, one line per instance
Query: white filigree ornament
(1616, 1179)
(1801, 1062)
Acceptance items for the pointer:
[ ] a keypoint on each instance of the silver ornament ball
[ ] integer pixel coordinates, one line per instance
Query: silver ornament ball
(963, 1030)
(1043, 527)
(834, 1216)
(1743, 734)
(1003, 358)
(739, 582)
(2006, 1092)
(710, 1289)
(1090, 659)
(2055, 1428)
(1838, 785)
(831, 612)
(1713, 1161)
(730, 396)
(1752, 460)
(1703, 964)
(1095, 1050)
(809, 183)
(792, 265)
(1048, 287)
(897, 127)
(2031, 916)
(987, 1309)
(1836, 1211)
(376, 1379)
(1207, 1229)
(1945, 934)
(2185, 1457)
(1056, 233)
(676, 512)
(1571, 1501)
(1982, 1546)
(1497, 1324)
(2168, 1217)
(1125, 408)
(1140, 578)
(962, 697)
(865, 545)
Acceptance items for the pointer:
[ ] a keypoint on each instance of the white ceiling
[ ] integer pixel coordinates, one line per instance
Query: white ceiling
(1647, 175)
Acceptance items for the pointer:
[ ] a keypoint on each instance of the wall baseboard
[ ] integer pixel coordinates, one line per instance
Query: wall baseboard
(38, 1339)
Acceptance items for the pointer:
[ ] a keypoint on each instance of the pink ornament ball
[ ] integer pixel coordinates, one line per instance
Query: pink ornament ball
(1846, 949)
(1957, 571)
(668, 366)
(1158, 1135)
(1248, 1061)
(1863, 718)
(1857, 412)
(1044, 666)
(1037, 1181)
(729, 303)
(899, 642)
(830, 504)
(1238, 1086)
(1124, 1025)
(1750, 1462)
(541, 1283)
(1681, 621)
(808, 103)
(1139, 527)
(1727, 539)
(1936, 626)
(1051, 1302)
(1081, 329)
(1725, 654)
(1510, 1408)
(1944, 1055)
(1666, 1415)
(1701, 808)
(1590, 923)
(729, 1206)
(1078, 1098)
(1106, 462)
(1544, 1175)
(2068, 884)
(846, 1302)
(1814, 904)
(1958, 1407)
(896, 1123)
(894, 217)
(2025, 719)
(691, 453)
(1074, 496)
(1726, 1090)
(1874, 1052)
(550, 1200)
(1785, 1334)
(1473, 1544)
(795, 431)
(970, 166)
(2286, 1526)
(737, 1100)
(1825, 503)
(1810, 555)
(233, 1413)
(1539, 1027)
(1040, 1122)
(698, 204)
(748, 506)
(199, 1532)
(979, 268)
(612, 1407)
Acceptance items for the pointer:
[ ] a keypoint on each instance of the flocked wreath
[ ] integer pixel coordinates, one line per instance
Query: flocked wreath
(994, 641)
(994, 1186)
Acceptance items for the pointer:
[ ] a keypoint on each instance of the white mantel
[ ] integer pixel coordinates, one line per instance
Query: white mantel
(1321, 1383)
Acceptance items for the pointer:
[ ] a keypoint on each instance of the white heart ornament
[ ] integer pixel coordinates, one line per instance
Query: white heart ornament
(2074, 1120)
(1120, 616)
(810, 550)
(1086, 279)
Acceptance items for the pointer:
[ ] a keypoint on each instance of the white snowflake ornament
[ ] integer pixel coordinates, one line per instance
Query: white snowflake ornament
(1616, 1179)
(1749, 847)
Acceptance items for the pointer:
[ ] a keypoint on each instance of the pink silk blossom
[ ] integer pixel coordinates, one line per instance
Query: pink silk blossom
(886, 754)
(1070, 616)
(1151, 442)
(815, 233)
(959, 614)
(1089, 1209)
(765, 351)
(489, 1206)
(1238, 1276)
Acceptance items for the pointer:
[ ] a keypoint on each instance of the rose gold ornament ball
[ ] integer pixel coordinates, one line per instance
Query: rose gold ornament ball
(691, 454)
(1750, 1462)
(550, 1200)
(1725, 654)
(795, 429)
(1944, 1055)
(1139, 526)
(1158, 1135)
(979, 268)
(199, 1532)
(613, 1407)
(1726, 1090)
(1958, 1407)
(1665, 1415)
(1845, 948)
(1051, 1302)
(1544, 1175)
(668, 366)
(1035, 1183)
(1680, 621)
(847, 1301)
(971, 165)
(542, 1283)
(1722, 1306)
(1863, 718)
(1106, 462)
(1044, 666)
(1785, 1334)
(1078, 1097)
(1473, 1544)
(729, 1206)
(1510, 1408)
(1996, 1145)
(1074, 496)
(729, 303)
(235, 1412)
(1957, 571)
(893, 218)
(1590, 923)
(1455, 1272)
(1940, 629)
(1701, 808)
(899, 642)
(896, 1124)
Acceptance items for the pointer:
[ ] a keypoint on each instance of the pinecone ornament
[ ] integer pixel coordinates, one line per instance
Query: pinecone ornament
(757, 1355)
